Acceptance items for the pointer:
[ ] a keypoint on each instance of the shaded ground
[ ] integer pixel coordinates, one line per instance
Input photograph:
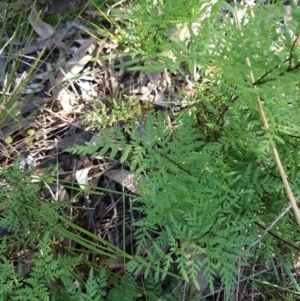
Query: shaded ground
(66, 92)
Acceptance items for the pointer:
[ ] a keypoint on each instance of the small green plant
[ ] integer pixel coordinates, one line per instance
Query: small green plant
(28, 220)
(39, 279)
(106, 114)
(35, 265)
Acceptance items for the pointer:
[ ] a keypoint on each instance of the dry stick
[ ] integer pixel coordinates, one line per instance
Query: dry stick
(266, 126)
(266, 231)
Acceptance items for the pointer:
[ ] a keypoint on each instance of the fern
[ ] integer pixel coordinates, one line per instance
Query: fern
(210, 174)
(94, 287)
(201, 200)
(44, 272)
(124, 289)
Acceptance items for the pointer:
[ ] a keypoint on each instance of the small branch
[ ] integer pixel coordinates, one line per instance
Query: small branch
(289, 69)
(267, 230)
(292, 49)
(289, 60)
(278, 237)
(266, 126)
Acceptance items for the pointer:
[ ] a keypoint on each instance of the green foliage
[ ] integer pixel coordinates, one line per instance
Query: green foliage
(210, 176)
(33, 267)
(46, 271)
(209, 194)
(124, 289)
(194, 202)
(113, 110)
(161, 28)
(20, 198)
(94, 287)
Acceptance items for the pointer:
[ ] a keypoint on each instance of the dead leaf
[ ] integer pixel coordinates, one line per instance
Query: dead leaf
(60, 193)
(82, 177)
(73, 68)
(117, 262)
(43, 29)
(148, 83)
(66, 99)
(76, 139)
(125, 178)
(78, 61)
(33, 87)
(59, 6)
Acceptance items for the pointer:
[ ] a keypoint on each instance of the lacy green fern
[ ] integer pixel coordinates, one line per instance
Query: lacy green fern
(38, 280)
(210, 180)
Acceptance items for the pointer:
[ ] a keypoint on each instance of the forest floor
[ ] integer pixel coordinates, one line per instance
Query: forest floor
(64, 78)
(62, 81)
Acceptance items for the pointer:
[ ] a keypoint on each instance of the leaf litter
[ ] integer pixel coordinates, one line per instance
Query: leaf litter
(62, 72)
